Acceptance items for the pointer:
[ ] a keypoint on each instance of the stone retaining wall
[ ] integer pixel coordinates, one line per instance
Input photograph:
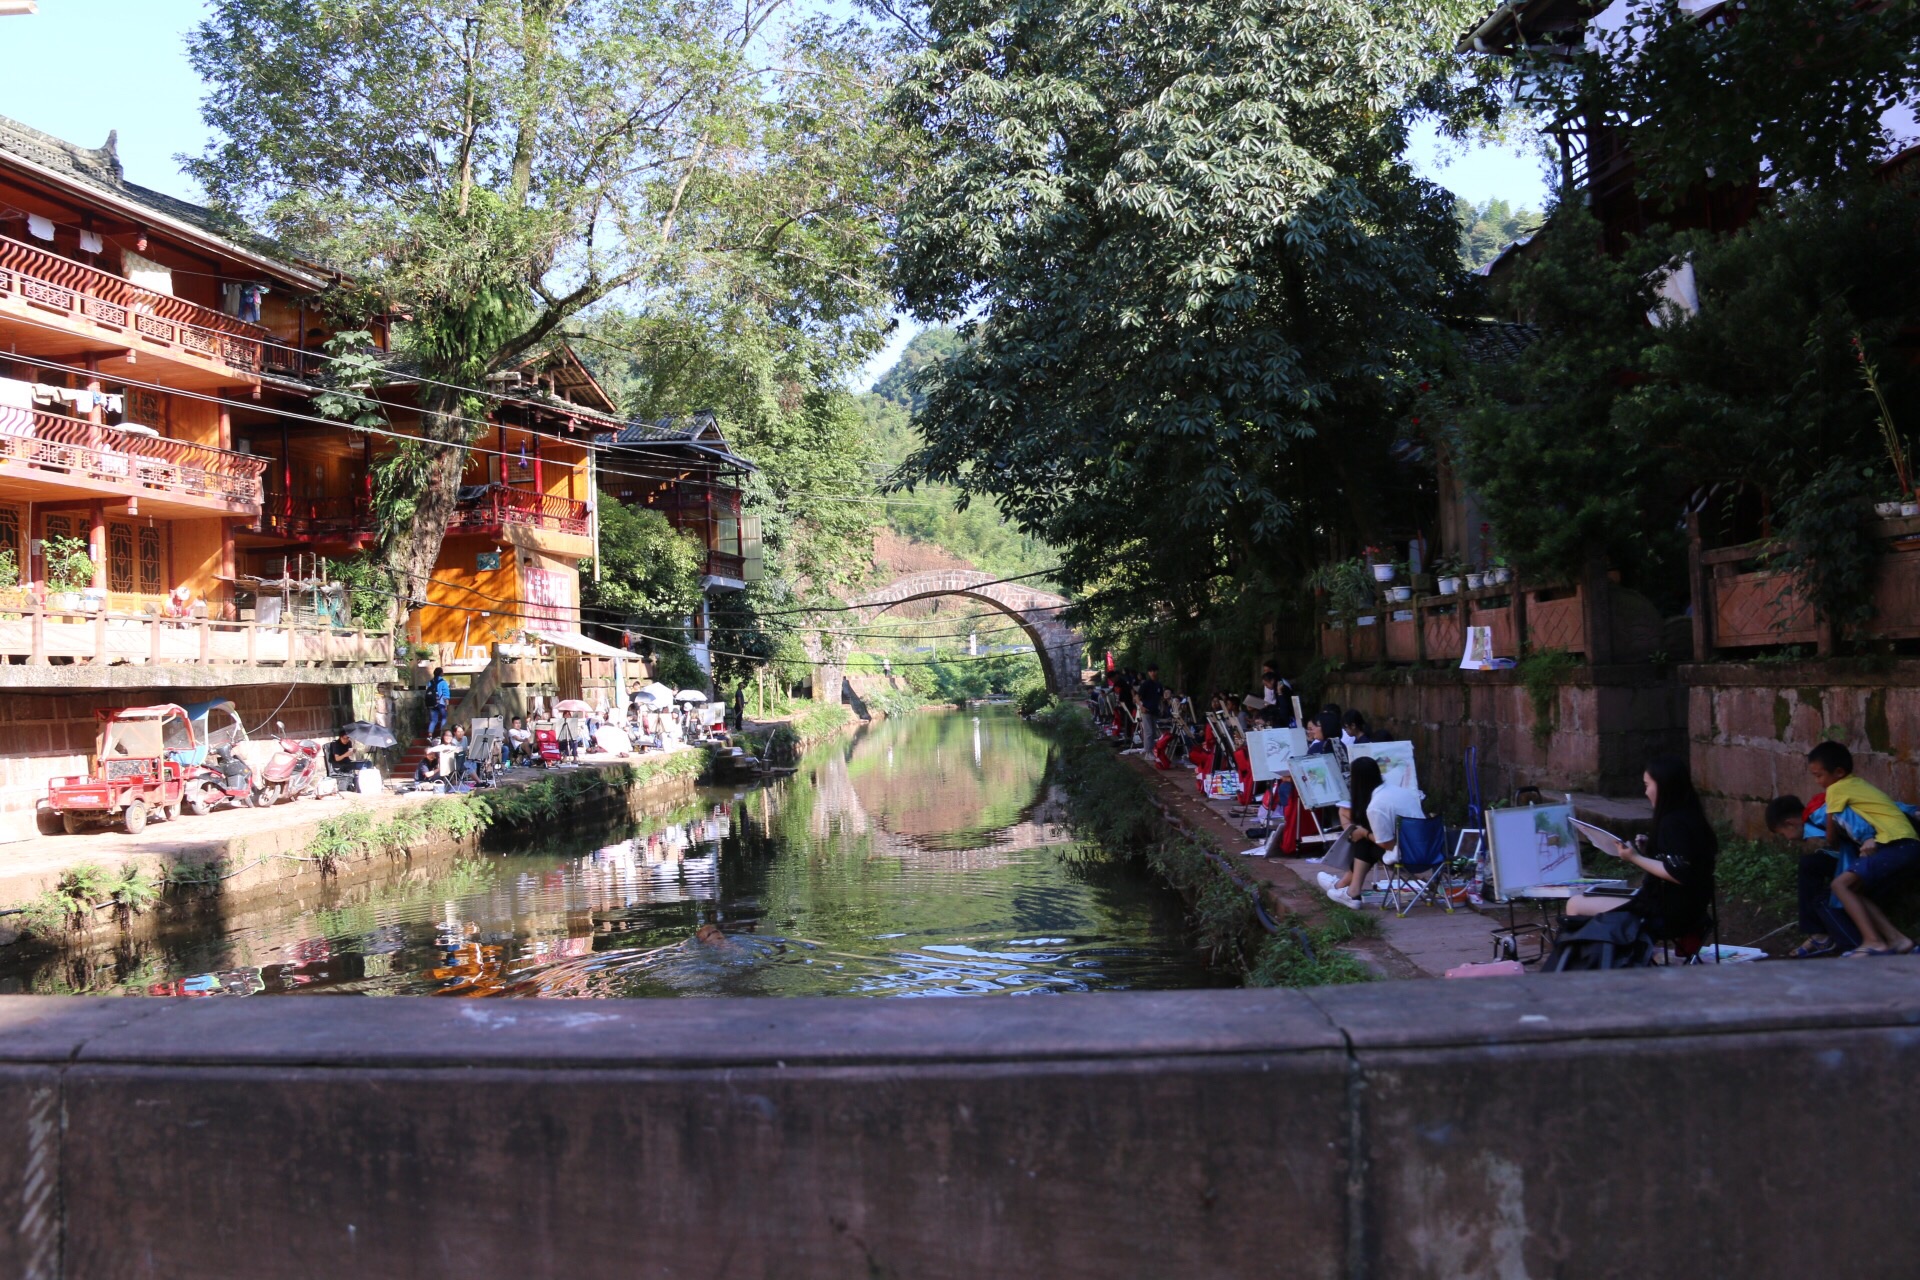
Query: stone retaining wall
(1607, 722)
(1751, 724)
(1683, 1122)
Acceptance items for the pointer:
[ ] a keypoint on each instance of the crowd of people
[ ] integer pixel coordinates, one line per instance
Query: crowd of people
(1857, 846)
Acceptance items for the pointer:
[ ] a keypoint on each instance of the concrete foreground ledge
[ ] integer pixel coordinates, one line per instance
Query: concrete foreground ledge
(1750, 1121)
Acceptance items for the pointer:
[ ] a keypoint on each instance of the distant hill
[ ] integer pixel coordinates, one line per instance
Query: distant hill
(930, 514)
(1486, 229)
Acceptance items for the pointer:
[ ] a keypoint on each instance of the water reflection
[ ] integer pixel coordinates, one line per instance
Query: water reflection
(923, 857)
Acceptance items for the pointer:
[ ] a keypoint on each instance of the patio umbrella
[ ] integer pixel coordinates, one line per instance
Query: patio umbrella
(655, 695)
(572, 707)
(690, 695)
(372, 736)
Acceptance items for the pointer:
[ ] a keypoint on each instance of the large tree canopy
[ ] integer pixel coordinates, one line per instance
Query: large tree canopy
(493, 168)
(1194, 272)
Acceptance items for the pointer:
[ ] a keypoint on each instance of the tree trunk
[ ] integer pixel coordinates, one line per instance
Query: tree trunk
(413, 553)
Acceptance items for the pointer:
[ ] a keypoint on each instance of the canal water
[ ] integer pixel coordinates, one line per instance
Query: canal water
(924, 856)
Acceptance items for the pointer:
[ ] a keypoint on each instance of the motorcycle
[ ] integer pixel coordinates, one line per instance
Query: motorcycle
(224, 779)
(294, 771)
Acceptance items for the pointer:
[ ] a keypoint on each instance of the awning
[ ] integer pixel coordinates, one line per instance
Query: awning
(574, 640)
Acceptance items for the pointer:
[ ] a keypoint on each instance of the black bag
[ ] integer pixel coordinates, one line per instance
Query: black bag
(1615, 940)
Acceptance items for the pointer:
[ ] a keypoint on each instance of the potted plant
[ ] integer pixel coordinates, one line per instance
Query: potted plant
(69, 570)
(1346, 585)
(1499, 574)
(1475, 581)
(1447, 572)
(1400, 594)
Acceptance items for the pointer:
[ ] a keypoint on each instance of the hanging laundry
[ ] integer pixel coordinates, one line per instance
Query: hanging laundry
(79, 397)
(39, 227)
(147, 273)
(230, 299)
(249, 303)
(44, 394)
(16, 407)
(90, 242)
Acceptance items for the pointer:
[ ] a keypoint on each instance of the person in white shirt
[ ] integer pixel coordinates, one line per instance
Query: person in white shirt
(1373, 819)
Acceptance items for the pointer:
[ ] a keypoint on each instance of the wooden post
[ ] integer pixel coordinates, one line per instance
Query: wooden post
(156, 643)
(206, 639)
(1701, 591)
(37, 635)
(1419, 631)
(100, 635)
(97, 544)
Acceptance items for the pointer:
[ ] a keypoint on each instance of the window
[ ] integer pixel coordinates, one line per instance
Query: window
(119, 557)
(152, 551)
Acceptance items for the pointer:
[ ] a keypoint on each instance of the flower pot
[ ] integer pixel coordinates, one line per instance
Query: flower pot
(1887, 510)
(1499, 577)
(1400, 595)
(69, 601)
(1365, 620)
(1450, 586)
(1403, 615)
(1910, 508)
(1475, 581)
(1383, 573)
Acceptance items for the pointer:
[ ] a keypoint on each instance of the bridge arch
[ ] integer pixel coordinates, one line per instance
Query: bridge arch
(1060, 647)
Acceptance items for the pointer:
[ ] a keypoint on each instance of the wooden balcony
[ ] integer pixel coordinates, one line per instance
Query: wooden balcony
(725, 566)
(1432, 628)
(109, 313)
(67, 458)
(346, 520)
(50, 636)
(497, 507)
(1742, 602)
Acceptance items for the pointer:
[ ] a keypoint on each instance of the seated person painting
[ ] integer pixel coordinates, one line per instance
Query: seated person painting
(339, 754)
(1675, 898)
(1373, 820)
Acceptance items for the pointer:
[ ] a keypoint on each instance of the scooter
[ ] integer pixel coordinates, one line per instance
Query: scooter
(224, 779)
(294, 771)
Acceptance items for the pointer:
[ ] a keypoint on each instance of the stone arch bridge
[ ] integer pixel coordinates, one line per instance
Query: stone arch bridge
(1037, 613)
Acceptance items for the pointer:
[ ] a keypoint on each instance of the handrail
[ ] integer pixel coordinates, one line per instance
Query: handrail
(61, 284)
(100, 452)
(26, 629)
(522, 506)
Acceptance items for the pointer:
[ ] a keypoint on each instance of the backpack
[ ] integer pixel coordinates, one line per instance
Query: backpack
(1615, 940)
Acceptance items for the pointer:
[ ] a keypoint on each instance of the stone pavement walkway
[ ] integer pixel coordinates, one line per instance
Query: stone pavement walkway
(1424, 943)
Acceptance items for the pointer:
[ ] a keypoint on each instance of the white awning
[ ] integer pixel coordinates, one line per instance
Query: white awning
(574, 640)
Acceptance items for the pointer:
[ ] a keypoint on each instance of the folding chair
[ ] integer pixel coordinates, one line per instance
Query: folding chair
(547, 744)
(1423, 870)
(1686, 947)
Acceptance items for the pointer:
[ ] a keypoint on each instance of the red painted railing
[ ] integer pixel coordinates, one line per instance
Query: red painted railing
(81, 449)
(59, 284)
(721, 564)
(316, 518)
(501, 506)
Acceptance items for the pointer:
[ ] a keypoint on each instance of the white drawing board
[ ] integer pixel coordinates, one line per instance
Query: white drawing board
(1269, 750)
(1531, 847)
(1319, 781)
(1395, 758)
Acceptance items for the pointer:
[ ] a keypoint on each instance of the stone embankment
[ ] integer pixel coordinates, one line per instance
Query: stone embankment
(238, 857)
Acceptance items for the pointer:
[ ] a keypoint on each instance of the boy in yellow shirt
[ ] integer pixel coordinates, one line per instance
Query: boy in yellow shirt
(1889, 858)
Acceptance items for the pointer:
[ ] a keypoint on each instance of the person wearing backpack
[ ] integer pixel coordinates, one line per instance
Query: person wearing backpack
(439, 697)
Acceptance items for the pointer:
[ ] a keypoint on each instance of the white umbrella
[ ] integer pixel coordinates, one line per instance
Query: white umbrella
(690, 695)
(658, 695)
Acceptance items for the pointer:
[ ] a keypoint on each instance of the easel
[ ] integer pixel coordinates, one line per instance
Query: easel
(1327, 832)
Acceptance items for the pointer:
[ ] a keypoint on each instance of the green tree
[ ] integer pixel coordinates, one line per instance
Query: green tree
(926, 349)
(496, 168)
(649, 571)
(1489, 227)
(1194, 269)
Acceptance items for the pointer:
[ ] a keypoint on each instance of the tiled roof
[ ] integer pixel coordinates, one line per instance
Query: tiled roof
(99, 168)
(693, 426)
(1495, 341)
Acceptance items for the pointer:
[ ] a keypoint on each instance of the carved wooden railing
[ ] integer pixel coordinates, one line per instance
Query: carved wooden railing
(1742, 601)
(722, 564)
(500, 506)
(315, 518)
(130, 459)
(40, 633)
(53, 283)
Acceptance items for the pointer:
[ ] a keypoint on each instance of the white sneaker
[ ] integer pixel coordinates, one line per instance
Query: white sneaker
(1342, 897)
(1327, 880)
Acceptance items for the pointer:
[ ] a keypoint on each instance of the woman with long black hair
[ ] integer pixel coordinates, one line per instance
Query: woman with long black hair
(1372, 818)
(1676, 896)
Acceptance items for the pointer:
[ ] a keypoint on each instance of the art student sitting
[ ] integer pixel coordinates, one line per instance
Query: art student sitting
(1887, 860)
(1674, 898)
(1323, 738)
(339, 754)
(1372, 818)
(1354, 729)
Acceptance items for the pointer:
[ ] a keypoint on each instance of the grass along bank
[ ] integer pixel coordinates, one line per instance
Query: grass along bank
(1235, 920)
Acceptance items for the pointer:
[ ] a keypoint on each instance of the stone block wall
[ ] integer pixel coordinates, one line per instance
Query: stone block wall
(52, 734)
(1605, 723)
(1750, 726)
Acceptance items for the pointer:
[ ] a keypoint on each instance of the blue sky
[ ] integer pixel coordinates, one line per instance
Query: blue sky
(80, 68)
